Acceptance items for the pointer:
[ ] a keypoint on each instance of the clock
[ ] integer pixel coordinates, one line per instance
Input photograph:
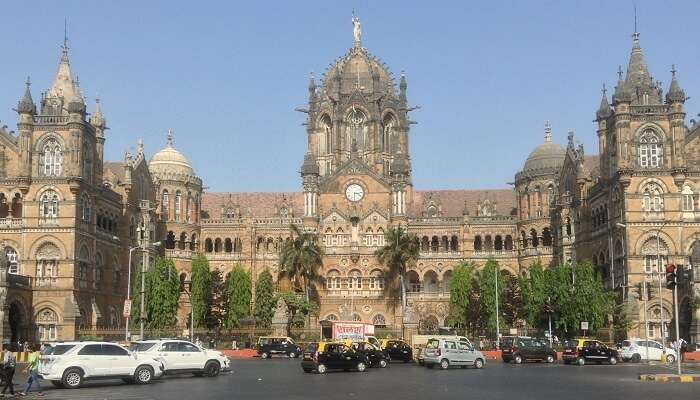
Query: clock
(354, 192)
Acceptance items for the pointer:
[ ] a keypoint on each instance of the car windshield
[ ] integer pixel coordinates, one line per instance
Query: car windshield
(48, 350)
(507, 342)
(432, 344)
(311, 347)
(626, 343)
(141, 346)
(61, 349)
(571, 343)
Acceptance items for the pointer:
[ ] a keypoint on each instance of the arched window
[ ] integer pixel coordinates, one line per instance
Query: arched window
(424, 243)
(333, 280)
(650, 150)
(83, 263)
(193, 242)
(178, 205)
(477, 243)
(46, 321)
(488, 243)
(170, 240)
(546, 237)
(47, 264)
(356, 317)
(217, 245)
(237, 245)
(454, 243)
(652, 201)
(355, 281)
(498, 243)
(16, 206)
(228, 245)
(688, 201)
(655, 253)
(164, 206)
(524, 239)
(87, 162)
(568, 226)
(98, 273)
(434, 244)
(376, 280)
(117, 278)
(85, 209)
(533, 238)
(509, 242)
(379, 321)
(52, 158)
(188, 207)
(183, 241)
(12, 261)
(332, 317)
(49, 205)
(4, 206)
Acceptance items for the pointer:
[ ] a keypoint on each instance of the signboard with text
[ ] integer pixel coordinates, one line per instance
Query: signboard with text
(584, 325)
(127, 308)
(352, 330)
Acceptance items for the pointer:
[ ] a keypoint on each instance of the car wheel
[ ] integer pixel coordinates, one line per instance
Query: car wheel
(212, 368)
(57, 384)
(292, 355)
(670, 359)
(382, 364)
(444, 364)
(550, 358)
(478, 363)
(143, 374)
(264, 355)
(612, 360)
(518, 359)
(72, 378)
(321, 369)
(361, 367)
(581, 361)
(636, 358)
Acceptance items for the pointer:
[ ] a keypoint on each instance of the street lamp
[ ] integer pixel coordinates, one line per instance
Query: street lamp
(187, 286)
(498, 333)
(128, 293)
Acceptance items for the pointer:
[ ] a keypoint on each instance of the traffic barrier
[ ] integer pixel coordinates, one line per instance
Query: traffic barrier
(244, 353)
(669, 378)
(21, 356)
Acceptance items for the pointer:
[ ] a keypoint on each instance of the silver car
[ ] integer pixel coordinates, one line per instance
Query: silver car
(448, 353)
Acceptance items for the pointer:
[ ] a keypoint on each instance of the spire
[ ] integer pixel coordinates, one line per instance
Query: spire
(402, 86)
(26, 105)
(621, 93)
(64, 85)
(547, 132)
(637, 70)
(170, 138)
(604, 110)
(675, 93)
(97, 119)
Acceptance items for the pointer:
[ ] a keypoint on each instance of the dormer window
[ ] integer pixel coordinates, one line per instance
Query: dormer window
(650, 150)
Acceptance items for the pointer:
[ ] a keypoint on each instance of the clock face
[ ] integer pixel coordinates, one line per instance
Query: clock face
(354, 192)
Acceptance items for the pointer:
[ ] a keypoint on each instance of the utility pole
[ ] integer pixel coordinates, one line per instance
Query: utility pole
(549, 317)
(145, 243)
(498, 332)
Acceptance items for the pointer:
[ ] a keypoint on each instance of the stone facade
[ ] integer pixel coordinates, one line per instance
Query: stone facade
(69, 220)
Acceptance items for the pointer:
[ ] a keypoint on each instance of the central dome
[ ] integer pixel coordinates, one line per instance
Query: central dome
(360, 69)
(548, 155)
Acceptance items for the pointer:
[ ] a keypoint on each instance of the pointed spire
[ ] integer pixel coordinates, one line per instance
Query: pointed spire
(675, 93)
(170, 138)
(547, 132)
(139, 146)
(64, 85)
(604, 110)
(622, 94)
(26, 105)
(637, 70)
(97, 119)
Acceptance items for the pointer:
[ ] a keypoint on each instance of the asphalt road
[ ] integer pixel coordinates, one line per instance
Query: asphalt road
(281, 378)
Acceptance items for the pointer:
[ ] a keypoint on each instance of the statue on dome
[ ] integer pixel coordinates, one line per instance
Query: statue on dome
(356, 29)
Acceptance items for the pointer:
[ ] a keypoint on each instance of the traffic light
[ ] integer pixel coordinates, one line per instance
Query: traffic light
(670, 276)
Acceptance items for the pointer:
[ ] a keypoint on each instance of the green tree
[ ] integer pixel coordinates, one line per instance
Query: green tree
(461, 294)
(301, 258)
(264, 300)
(513, 303)
(201, 289)
(240, 287)
(400, 251)
(298, 309)
(218, 302)
(535, 290)
(163, 294)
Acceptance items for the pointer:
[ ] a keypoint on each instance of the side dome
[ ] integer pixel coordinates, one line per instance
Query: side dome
(170, 161)
(548, 155)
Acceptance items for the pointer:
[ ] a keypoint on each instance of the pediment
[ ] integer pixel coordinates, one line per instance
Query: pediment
(354, 167)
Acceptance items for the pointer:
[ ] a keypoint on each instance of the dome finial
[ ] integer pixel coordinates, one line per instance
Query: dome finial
(170, 138)
(547, 132)
(356, 30)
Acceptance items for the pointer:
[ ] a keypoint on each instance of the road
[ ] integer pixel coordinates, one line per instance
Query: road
(281, 378)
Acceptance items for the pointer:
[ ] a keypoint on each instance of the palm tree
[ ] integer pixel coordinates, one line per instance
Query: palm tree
(300, 258)
(399, 252)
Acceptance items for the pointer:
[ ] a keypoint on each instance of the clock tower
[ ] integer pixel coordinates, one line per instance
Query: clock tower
(356, 172)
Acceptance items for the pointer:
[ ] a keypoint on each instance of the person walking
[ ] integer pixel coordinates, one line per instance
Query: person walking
(9, 361)
(33, 371)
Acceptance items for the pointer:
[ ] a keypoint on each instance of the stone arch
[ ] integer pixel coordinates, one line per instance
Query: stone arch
(656, 128)
(47, 321)
(332, 317)
(183, 241)
(428, 325)
(47, 188)
(446, 280)
(379, 320)
(652, 181)
(651, 235)
(477, 243)
(412, 281)
(208, 246)
(170, 240)
(18, 319)
(430, 283)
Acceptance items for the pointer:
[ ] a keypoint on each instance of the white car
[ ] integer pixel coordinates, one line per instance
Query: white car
(72, 363)
(636, 350)
(180, 356)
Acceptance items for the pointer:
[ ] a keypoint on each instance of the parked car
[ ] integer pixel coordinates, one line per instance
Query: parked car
(636, 350)
(374, 355)
(448, 353)
(419, 342)
(582, 351)
(72, 363)
(398, 350)
(325, 356)
(181, 356)
(269, 345)
(520, 349)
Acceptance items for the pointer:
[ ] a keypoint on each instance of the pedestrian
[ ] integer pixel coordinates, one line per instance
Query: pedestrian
(9, 361)
(682, 348)
(33, 371)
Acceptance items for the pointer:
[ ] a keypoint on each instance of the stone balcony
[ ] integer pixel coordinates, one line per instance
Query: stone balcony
(495, 253)
(11, 223)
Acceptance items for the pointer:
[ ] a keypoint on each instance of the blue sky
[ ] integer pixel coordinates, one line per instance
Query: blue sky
(226, 76)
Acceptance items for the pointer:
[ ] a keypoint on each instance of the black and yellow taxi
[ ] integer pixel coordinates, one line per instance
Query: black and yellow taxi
(582, 351)
(325, 356)
(374, 354)
(397, 350)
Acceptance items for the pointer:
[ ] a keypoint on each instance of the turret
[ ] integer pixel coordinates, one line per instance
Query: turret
(604, 110)
(26, 110)
(310, 180)
(402, 87)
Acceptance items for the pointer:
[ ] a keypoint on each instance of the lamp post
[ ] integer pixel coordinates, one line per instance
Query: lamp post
(188, 290)
(498, 333)
(128, 293)
(660, 274)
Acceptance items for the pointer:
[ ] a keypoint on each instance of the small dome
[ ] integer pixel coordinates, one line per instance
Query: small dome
(358, 66)
(546, 155)
(169, 160)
